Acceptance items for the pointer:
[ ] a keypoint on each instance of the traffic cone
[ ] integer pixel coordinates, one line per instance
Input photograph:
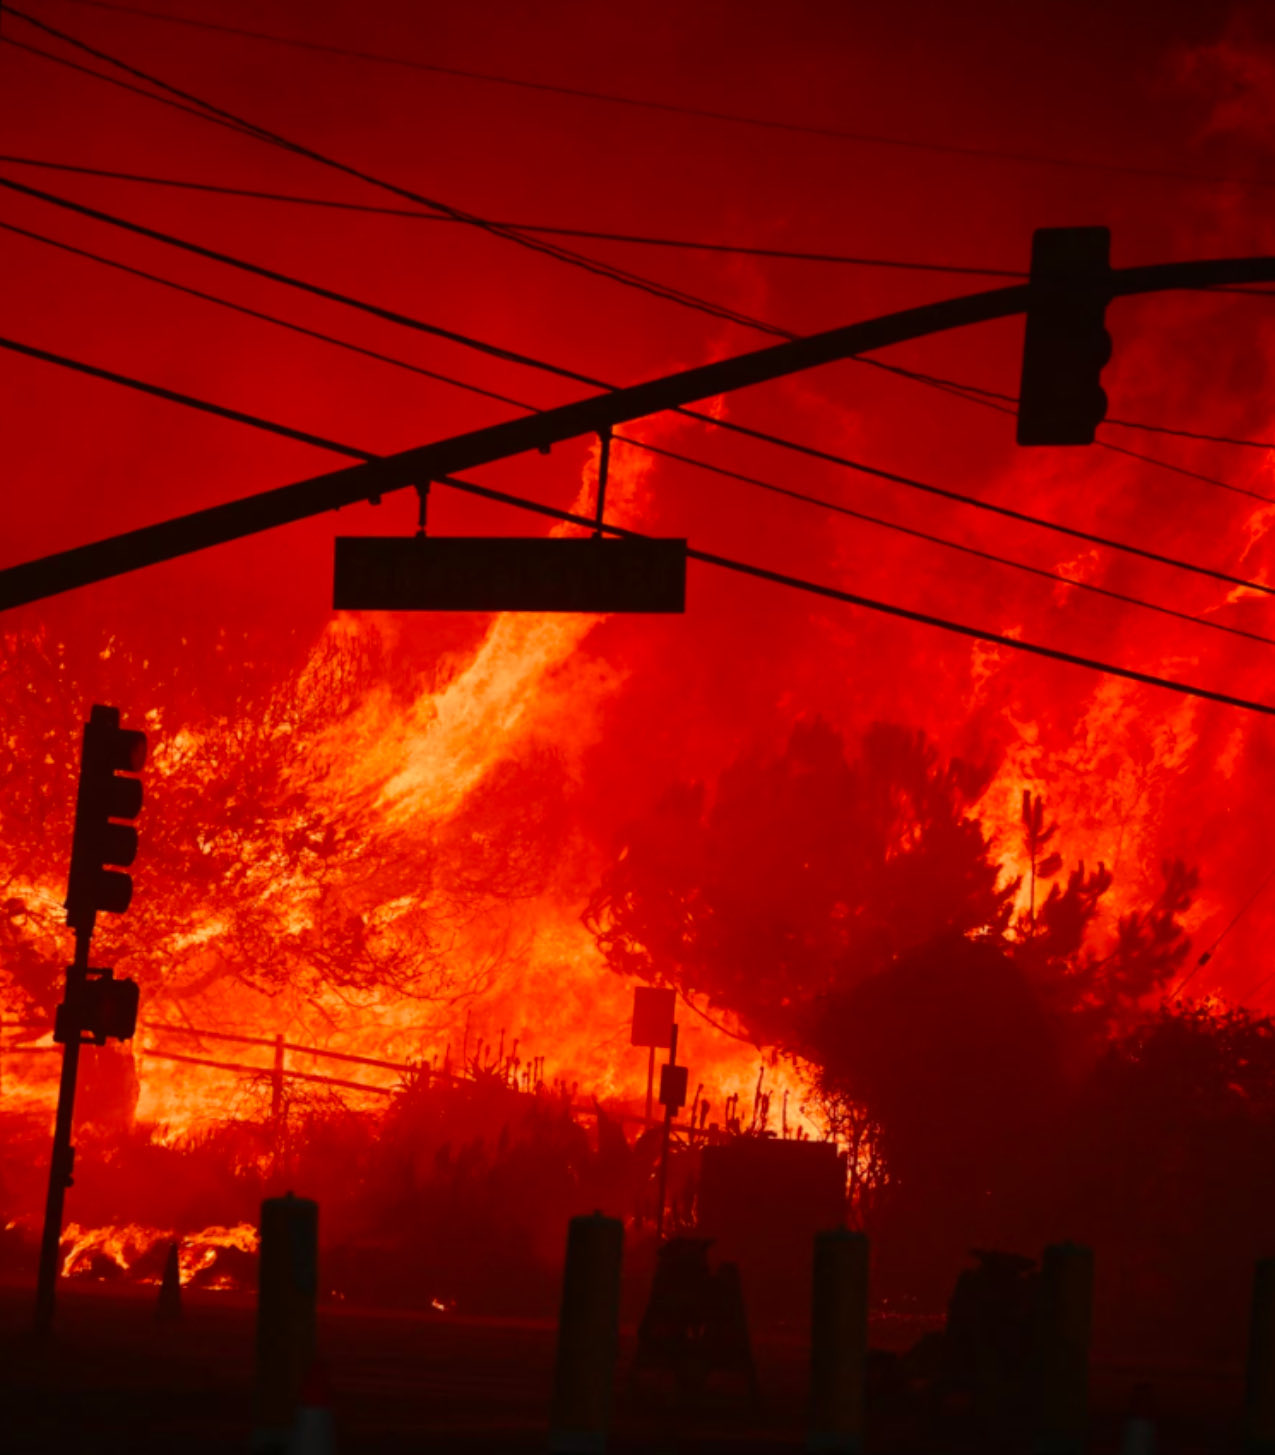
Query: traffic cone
(169, 1308)
(313, 1432)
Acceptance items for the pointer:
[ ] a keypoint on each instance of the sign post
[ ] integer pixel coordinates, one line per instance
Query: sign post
(673, 1082)
(653, 1009)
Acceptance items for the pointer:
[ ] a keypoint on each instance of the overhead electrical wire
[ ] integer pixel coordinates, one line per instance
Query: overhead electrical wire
(734, 118)
(509, 232)
(536, 245)
(1008, 404)
(633, 280)
(262, 316)
(689, 460)
(965, 549)
(949, 385)
(415, 214)
(66, 61)
(728, 563)
(1208, 954)
(731, 426)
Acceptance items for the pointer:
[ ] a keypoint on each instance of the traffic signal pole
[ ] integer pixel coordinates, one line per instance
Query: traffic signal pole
(166, 540)
(62, 1160)
(96, 1004)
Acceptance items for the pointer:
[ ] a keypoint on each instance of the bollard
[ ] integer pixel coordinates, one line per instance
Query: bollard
(838, 1343)
(169, 1308)
(1259, 1394)
(287, 1281)
(1138, 1434)
(588, 1337)
(1065, 1315)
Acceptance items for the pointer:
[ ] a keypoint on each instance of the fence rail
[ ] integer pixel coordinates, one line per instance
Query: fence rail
(278, 1072)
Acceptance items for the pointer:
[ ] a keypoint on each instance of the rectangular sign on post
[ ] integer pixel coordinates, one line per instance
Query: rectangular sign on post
(653, 1010)
(509, 573)
(673, 1085)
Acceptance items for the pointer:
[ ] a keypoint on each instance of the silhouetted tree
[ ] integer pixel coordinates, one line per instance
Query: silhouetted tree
(800, 874)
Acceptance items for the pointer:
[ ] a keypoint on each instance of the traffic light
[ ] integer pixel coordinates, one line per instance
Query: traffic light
(1060, 401)
(99, 1004)
(104, 796)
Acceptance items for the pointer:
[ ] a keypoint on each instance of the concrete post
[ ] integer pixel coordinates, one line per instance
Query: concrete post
(588, 1337)
(838, 1343)
(287, 1285)
(1259, 1400)
(1063, 1329)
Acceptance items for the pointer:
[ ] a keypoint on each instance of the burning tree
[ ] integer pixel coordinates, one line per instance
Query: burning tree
(857, 912)
(266, 862)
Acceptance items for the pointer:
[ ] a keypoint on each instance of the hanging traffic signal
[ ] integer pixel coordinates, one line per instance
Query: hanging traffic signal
(98, 1005)
(1060, 401)
(104, 797)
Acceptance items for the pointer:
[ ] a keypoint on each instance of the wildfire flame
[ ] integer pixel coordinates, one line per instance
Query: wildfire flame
(130, 1244)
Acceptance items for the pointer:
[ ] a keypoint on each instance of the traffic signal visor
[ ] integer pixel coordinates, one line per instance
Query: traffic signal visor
(104, 798)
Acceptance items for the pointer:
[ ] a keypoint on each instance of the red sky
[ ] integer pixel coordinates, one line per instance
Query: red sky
(1186, 91)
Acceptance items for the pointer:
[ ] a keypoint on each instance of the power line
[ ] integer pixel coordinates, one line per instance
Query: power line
(536, 245)
(1003, 510)
(511, 233)
(699, 112)
(1187, 434)
(595, 266)
(71, 65)
(273, 275)
(263, 317)
(1007, 404)
(1012, 399)
(689, 460)
(761, 573)
(1209, 953)
(175, 396)
(732, 426)
(415, 214)
(961, 390)
(945, 541)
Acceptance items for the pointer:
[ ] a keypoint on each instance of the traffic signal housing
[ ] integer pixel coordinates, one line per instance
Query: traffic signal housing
(1060, 401)
(99, 1005)
(103, 800)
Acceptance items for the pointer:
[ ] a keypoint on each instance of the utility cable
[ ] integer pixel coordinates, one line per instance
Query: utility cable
(596, 266)
(732, 426)
(1055, 576)
(263, 317)
(415, 214)
(1234, 920)
(510, 233)
(946, 385)
(553, 250)
(674, 455)
(734, 118)
(1012, 400)
(1008, 404)
(388, 315)
(728, 563)
(122, 85)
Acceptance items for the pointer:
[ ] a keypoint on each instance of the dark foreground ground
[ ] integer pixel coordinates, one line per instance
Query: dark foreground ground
(115, 1380)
